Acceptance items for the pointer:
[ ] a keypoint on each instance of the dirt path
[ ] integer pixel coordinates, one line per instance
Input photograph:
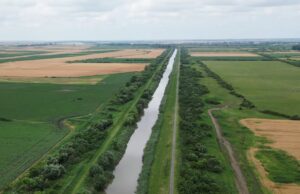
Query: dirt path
(173, 156)
(239, 177)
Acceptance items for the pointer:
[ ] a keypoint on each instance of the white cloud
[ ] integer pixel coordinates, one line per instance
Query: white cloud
(151, 19)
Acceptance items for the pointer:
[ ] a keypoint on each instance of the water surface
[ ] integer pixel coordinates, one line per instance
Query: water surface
(128, 170)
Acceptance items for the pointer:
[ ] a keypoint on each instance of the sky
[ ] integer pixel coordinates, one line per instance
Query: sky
(148, 19)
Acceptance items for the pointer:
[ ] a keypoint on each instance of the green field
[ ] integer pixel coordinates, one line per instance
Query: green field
(240, 137)
(22, 143)
(35, 111)
(270, 85)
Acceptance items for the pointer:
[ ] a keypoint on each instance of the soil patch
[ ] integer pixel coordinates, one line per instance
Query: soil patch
(284, 134)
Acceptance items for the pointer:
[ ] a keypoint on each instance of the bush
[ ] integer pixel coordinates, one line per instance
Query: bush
(53, 171)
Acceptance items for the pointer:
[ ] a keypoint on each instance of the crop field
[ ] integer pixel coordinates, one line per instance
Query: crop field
(34, 112)
(270, 85)
(283, 134)
(39, 92)
(68, 112)
(58, 67)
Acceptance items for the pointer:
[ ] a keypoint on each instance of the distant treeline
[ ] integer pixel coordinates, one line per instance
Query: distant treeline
(114, 60)
(296, 47)
(258, 58)
(288, 61)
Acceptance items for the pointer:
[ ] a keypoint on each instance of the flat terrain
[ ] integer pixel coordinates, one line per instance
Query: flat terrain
(22, 143)
(270, 85)
(49, 69)
(34, 111)
(223, 54)
(58, 67)
(284, 134)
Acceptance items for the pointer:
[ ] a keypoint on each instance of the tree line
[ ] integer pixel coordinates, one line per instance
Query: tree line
(197, 165)
(245, 102)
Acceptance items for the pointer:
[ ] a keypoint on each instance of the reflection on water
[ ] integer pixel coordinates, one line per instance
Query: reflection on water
(128, 170)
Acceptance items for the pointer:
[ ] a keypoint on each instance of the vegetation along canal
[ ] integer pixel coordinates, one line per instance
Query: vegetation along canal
(127, 172)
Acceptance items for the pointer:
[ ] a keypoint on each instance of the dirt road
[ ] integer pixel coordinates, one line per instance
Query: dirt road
(173, 156)
(226, 146)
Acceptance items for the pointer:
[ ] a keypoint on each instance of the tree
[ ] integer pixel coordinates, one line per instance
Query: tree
(53, 171)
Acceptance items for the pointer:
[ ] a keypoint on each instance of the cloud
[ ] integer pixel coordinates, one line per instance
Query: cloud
(119, 19)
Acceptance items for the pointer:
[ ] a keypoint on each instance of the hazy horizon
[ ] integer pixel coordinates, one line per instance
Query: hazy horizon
(89, 20)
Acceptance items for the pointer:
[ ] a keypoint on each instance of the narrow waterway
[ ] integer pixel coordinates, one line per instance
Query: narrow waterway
(128, 170)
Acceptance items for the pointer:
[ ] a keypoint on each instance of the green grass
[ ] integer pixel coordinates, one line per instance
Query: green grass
(22, 143)
(281, 167)
(226, 178)
(240, 137)
(269, 85)
(35, 111)
(49, 102)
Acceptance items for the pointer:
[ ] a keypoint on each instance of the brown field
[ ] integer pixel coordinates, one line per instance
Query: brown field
(284, 135)
(58, 67)
(67, 69)
(223, 54)
(90, 80)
